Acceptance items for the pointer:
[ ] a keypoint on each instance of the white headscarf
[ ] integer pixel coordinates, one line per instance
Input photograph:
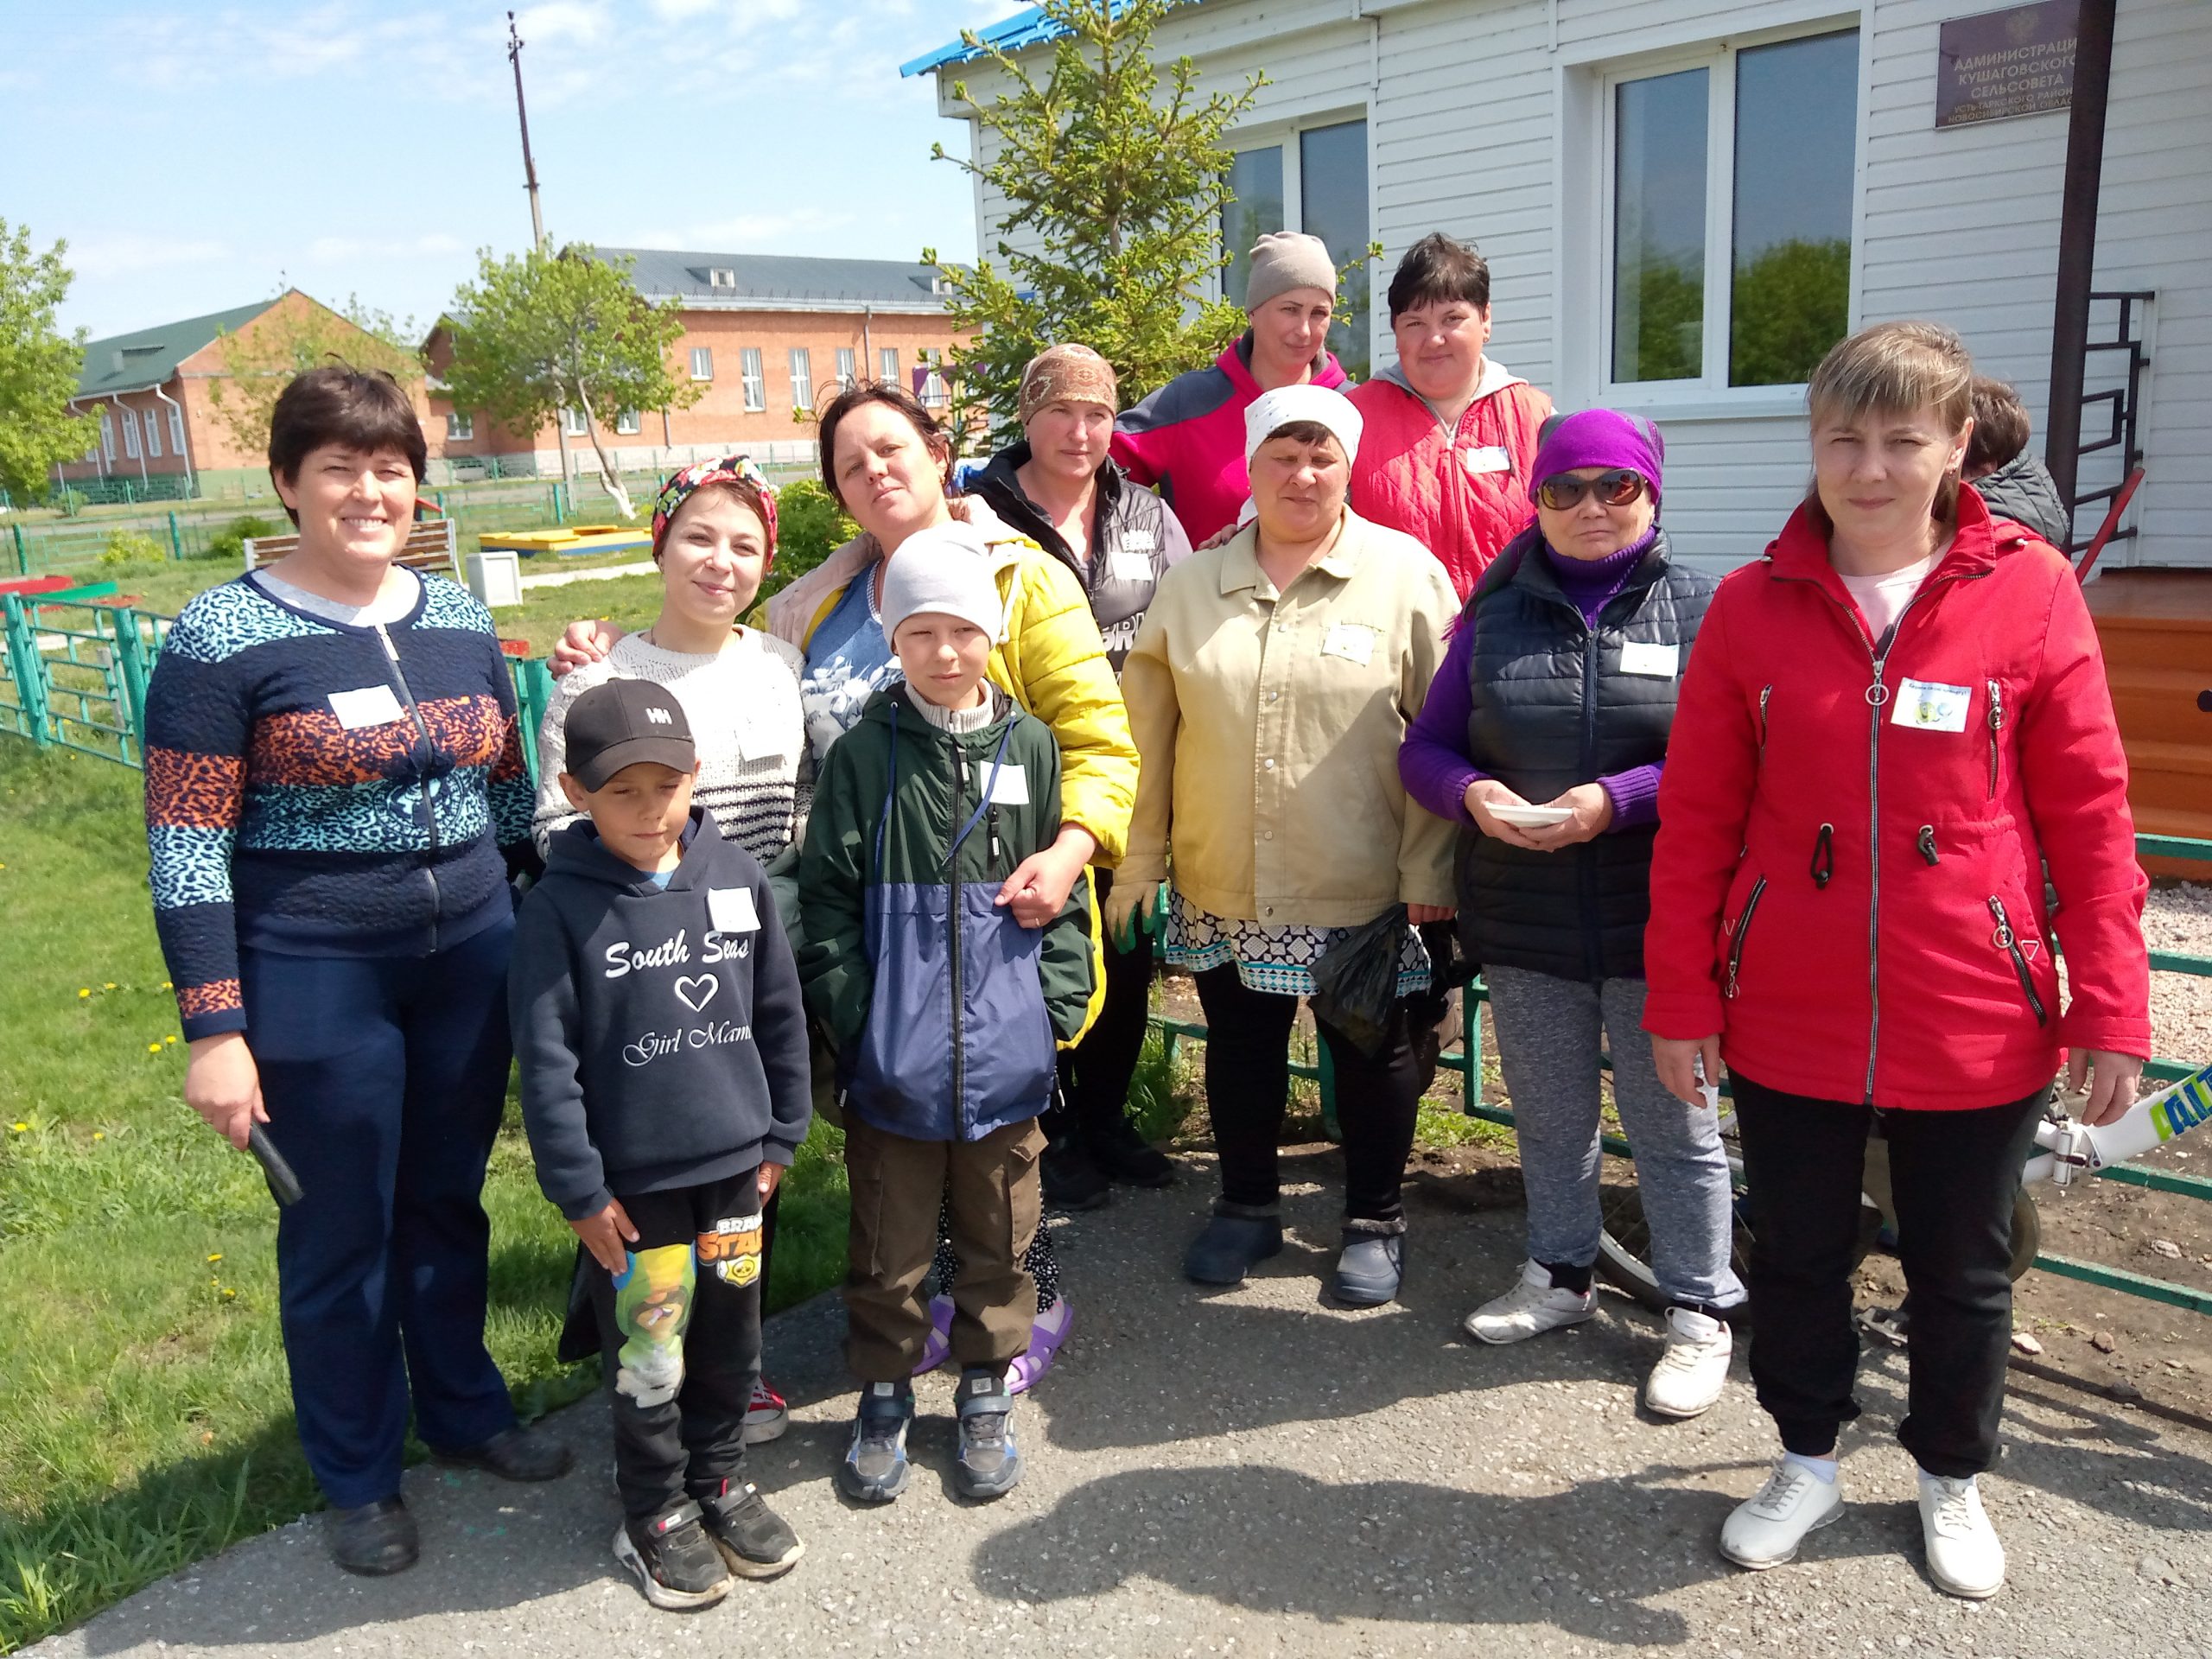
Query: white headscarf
(1287, 405)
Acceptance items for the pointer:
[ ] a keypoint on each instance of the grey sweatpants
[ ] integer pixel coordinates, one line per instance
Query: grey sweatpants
(1549, 1032)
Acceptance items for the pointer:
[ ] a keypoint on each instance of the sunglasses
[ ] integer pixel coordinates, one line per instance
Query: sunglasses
(1616, 488)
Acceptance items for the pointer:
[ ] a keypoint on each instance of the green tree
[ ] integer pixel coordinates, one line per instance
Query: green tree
(1115, 195)
(39, 366)
(1791, 304)
(540, 333)
(260, 359)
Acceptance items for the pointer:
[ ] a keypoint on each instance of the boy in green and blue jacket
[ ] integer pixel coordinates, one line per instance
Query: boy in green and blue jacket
(944, 1011)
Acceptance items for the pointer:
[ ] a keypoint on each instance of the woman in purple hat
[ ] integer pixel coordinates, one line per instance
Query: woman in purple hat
(1543, 739)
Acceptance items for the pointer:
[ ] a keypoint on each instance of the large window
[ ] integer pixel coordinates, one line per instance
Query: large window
(754, 377)
(802, 378)
(460, 428)
(886, 360)
(847, 371)
(129, 431)
(153, 435)
(572, 422)
(625, 423)
(1731, 183)
(107, 436)
(176, 429)
(1315, 181)
(702, 362)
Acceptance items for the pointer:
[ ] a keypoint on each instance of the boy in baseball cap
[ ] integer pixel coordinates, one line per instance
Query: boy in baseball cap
(658, 1022)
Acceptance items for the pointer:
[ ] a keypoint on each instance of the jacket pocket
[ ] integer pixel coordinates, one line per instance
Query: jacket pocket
(1008, 1058)
(1996, 731)
(899, 1072)
(1738, 933)
(2009, 942)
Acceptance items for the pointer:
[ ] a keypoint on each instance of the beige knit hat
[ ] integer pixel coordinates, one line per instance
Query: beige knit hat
(1070, 371)
(1282, 260)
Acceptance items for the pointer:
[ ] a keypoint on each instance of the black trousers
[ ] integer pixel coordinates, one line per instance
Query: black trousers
(1954, 1176)
(681, 1339)
(1248, 1088)
(1095, 1074)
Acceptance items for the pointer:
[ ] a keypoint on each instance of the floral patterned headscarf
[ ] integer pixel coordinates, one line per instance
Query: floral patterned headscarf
(729, 469)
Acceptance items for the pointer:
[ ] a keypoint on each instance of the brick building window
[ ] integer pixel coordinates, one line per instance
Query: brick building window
(848, 373)
(886, 364)
(176, 430)
(702, 362)
(460, 428)
(153, 437)
(107, 436)
(130, 432)
(935, 394)
(755, 378)
(802, 378)
(572, 422)
(625, 423)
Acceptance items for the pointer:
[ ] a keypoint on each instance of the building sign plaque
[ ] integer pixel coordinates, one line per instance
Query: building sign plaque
(2017, 61)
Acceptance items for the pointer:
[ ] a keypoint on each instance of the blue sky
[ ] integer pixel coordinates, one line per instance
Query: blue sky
(197, 156)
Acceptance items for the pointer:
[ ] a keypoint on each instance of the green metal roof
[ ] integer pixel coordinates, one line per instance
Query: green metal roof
(150, 356)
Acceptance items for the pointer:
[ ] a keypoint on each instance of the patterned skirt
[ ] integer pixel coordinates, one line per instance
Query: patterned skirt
(1277, 959)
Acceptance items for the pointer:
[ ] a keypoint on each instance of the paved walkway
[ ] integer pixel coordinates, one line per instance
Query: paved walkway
(1255, 1473)
(602, 572)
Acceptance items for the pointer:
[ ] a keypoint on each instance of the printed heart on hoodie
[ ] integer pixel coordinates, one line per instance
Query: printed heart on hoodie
(696, 992)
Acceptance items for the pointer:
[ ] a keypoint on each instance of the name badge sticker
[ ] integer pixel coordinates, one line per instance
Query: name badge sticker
(373, 705)
(1125, 565)
(1932, 707)
(1486, 458)
(1653, 662)
(1009, 785)
(729, 910)
(1351, 641)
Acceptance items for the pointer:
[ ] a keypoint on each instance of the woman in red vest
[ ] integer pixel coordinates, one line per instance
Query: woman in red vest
(1891, 727)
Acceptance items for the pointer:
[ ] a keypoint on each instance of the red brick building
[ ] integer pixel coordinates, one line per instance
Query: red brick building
(767, 338)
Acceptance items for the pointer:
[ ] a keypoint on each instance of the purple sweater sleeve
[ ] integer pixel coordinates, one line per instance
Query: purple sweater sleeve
(1433, 760)
(1634, 793)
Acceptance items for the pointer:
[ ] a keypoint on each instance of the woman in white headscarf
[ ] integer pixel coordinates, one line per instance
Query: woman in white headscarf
(1294, 654)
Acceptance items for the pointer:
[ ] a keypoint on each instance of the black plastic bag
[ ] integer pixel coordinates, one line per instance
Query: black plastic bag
(1356, 980)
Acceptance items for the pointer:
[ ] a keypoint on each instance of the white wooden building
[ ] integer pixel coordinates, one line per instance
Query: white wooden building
(1551, 132)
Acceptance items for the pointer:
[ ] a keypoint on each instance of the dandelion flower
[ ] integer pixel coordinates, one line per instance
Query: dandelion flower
(109, 986)
(153, 1048)
(216, 1257)
(83, 991)
(170, 1038)
(20, 1128)
(100, 1134)
(229, 1295)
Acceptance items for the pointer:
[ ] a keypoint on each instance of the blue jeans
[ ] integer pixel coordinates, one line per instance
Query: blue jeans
(384, 1080)
(1550, 1032)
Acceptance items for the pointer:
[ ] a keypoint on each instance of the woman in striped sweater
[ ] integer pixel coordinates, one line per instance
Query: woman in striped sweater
(333, 776)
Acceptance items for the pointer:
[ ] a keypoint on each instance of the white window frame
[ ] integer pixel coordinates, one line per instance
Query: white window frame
(802, 368)
(107, 436)
(460, 428)
(886, 364)
(702, 362)
(176, 431)
(1583, 253)
(722, 277)
(1283, 134)
(129, 431)
(753, 375)
(627, 424)
(153, 437)
(573, 424)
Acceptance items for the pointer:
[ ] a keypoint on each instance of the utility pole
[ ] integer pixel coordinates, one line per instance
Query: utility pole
(529, 167)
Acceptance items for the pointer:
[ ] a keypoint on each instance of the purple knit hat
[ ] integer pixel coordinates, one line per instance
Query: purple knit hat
(1600, 437)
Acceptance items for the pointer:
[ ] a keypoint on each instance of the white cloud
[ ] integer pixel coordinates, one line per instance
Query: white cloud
(126, 253)
(352, 249)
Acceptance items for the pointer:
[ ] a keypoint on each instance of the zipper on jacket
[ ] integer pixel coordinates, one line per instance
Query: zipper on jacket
(1927, 844)
(430, 803)
(2008, 942)
(952, 929)
(1743, 927)
(1823, 870)
(1996, 726)
(1766, 695)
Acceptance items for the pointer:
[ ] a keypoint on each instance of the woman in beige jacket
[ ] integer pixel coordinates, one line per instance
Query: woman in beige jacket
(1268, 689)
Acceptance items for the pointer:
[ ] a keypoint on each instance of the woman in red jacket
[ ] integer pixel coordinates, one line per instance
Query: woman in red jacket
(1889, 726)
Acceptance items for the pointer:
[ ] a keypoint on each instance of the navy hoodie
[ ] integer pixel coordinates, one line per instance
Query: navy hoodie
(660, 1031)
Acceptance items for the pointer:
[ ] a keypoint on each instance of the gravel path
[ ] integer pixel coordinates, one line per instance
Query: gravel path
(1254, 1473)
(2179, 918)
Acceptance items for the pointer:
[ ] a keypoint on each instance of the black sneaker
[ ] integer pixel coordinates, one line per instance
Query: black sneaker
(989, 1464)
(752, 1537)
(374, 1539)
(1071, 1180)
(1128, 1157)
(874, 1469)
(676, 1564)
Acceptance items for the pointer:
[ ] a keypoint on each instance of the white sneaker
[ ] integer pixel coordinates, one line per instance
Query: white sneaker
(1690, 1374)
(1964, 1557)
(1764, 1530)
(1530, 1309)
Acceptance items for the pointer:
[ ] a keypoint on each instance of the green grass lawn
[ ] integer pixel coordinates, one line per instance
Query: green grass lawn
(147, 1420)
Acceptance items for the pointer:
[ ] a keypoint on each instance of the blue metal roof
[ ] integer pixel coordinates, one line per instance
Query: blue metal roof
(1028, 27)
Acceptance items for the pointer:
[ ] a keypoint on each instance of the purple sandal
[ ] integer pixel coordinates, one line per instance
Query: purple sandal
(1045, 1336)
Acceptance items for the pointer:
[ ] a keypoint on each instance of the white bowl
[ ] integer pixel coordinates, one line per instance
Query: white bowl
(1531, 817)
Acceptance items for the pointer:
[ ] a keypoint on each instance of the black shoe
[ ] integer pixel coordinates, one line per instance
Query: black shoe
(676, 1564)
(1231, 1243)
(752, 1538)
(874, 1467)
(1368, 1267)
(516, 1453)
(1128, 1157)
(989, 1464)
(375, 1539)
(1071, 1180)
